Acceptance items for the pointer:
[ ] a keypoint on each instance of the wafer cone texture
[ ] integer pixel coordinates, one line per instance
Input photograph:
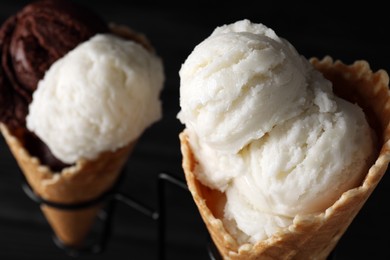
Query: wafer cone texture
(84, 181)
(310, 236)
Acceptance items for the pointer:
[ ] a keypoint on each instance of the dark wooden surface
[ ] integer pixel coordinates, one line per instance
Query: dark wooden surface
(350, 33)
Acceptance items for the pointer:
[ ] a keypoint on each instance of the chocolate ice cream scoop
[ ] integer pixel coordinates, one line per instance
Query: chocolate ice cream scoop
(30, 42)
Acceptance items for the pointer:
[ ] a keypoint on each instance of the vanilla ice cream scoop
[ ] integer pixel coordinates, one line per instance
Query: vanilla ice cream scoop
(267, 130)
(239, 83)
(98, 97)
(300, 167)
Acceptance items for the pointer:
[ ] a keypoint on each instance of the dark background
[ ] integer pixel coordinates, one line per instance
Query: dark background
(315, 29)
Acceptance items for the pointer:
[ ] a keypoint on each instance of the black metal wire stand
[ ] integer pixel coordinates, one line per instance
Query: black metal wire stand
(110, 199)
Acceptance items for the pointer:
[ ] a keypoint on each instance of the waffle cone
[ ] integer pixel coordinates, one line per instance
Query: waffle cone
(311, 236)
(84, 181)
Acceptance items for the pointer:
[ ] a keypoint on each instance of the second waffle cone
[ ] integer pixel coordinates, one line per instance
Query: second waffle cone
(311, 236)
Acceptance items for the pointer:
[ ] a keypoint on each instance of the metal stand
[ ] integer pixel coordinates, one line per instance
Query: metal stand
(110, 198)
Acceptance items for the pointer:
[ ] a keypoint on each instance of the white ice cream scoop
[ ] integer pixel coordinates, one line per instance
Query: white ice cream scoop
(99, 97)
(239, 83)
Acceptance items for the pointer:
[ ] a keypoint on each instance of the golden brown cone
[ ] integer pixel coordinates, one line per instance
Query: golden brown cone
(310, 236)
(84, 181)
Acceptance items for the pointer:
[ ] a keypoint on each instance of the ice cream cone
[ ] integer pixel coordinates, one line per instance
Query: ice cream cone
(84, 181)
(311, 236)
(124, 83)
